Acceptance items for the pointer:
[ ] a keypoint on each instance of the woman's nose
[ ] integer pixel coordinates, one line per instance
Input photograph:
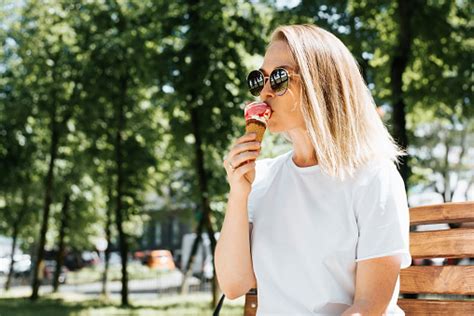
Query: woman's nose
(267, 91)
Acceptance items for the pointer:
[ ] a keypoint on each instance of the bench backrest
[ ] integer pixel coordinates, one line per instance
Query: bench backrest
(449, 279)
(452, 243)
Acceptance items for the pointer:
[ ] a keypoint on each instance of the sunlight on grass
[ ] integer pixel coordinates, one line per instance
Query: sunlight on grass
(136, 271)
(76, 305)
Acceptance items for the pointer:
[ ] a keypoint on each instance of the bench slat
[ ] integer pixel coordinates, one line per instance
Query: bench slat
(437, 280)
(450, 243)
(421, 307)
(459, 212)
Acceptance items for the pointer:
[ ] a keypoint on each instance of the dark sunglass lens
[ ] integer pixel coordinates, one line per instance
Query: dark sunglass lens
(279, 80)
(255, 81)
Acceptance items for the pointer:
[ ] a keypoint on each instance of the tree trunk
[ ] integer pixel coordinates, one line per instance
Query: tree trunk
(48, 196)
(62, 235)
(108, 237)
(188, 269)
(199, 49)
(120, 179)
(447, 195)
(12, 259)
(203, 187)
(16, 231)
(400, 60)
(469, 185)
(404, 13)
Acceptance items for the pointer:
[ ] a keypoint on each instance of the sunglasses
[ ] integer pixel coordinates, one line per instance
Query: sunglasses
(279, 81)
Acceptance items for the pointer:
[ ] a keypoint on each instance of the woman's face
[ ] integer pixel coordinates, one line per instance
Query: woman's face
(286, 108)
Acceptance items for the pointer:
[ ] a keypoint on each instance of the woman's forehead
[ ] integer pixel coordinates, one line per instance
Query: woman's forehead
(277, 55)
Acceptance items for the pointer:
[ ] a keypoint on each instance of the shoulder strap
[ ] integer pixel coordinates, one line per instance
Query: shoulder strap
(219, 305)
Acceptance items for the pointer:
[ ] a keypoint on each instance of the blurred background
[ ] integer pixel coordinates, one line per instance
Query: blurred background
(115, 116)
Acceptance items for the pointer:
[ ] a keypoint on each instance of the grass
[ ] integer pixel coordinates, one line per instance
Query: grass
(74, 305)
(136, 271)
(77, 305)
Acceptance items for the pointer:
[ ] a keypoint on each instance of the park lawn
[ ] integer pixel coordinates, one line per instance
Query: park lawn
(172, 305)
(136, 271)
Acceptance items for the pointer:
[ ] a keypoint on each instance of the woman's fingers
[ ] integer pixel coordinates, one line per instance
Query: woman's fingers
(240, 171)
(241, 158)
(244, 149)
(246, 138)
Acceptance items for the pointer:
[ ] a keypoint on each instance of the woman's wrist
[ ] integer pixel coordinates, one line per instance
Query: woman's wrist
(238, 195)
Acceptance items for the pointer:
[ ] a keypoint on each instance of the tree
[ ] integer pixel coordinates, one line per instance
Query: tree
(47, 51)
(440, 113)
(117, 112)
(20, 155)
(204, 91)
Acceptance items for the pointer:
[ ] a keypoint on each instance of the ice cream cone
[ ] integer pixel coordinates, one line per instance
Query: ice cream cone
(257, 115)
(254, 126)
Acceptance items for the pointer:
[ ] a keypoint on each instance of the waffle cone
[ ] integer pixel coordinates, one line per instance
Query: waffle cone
(254, 126)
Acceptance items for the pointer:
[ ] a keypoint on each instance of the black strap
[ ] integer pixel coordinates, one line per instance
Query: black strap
(219, 305)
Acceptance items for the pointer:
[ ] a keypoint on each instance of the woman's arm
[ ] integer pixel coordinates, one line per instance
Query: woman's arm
(375, 282)
(232, 255)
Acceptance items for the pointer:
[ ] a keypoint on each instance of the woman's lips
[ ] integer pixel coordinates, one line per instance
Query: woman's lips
(271, 109)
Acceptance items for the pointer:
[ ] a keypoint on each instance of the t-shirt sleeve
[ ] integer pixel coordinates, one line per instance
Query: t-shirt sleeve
(382, 214)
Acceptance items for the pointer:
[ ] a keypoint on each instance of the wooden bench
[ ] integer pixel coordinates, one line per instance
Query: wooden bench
(448, 279)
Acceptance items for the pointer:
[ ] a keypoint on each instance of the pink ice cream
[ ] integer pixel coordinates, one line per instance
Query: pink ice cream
(259, 111)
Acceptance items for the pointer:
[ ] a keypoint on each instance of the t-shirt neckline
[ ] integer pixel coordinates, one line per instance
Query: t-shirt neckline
(291, 163)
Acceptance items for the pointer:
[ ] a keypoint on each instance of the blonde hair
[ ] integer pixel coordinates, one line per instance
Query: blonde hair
(338, 109)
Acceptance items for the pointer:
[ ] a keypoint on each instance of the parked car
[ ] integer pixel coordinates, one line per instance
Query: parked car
(90, 258)
(140, 256)
(21, 267)
(160, 259)
(4, 265)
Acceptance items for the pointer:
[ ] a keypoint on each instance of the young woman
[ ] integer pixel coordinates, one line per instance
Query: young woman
(328, 220)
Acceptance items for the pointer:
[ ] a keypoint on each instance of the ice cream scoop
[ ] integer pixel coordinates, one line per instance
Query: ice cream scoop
(257, 115)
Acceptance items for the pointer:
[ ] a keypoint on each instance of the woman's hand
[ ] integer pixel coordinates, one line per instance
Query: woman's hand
(240, 164)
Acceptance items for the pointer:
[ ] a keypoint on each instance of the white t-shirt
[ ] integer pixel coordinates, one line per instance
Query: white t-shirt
(310, 230)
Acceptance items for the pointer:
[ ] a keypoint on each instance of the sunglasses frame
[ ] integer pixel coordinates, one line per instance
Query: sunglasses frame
(266, 78)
